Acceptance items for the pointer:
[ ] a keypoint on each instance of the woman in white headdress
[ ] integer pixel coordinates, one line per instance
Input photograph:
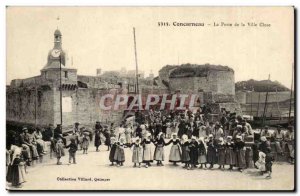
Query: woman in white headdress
(193, 152)
(211, 151)
(221, 153)
(147, 151)
(137, 152)
(159, 154)
(120, 154)
(240, 150)
(175, 152)
(230, 155)
(16, 172)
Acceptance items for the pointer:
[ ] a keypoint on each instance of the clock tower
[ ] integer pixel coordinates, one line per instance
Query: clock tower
(57, 60)
(57, 39)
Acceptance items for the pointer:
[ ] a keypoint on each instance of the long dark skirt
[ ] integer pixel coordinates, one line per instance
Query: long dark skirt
(230, 157)
(194, 157)
(14, 175)
(97, 141)
(221, 157)
(107, 142)
(119, 155)
(185, 155)
(211, 155)
(112, 153)
(249, 158)
(241, 161)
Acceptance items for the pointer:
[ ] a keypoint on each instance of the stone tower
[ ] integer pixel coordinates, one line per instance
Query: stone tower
(57, 61)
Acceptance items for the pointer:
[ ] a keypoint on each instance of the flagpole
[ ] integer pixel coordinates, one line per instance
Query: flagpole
(60, 91)
(136, 63)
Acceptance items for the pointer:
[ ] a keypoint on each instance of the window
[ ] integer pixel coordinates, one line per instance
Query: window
(66, 104)
(66, 74)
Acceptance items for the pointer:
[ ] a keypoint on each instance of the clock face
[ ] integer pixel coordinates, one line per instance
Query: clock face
(55, 53)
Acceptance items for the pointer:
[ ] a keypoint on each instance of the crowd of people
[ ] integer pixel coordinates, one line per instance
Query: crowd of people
(196, 142)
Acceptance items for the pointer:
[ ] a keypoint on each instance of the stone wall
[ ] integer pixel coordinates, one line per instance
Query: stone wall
(29, 106)
(26, 106)
(226, 83)
(221, 82)
(255, 97)
(85, 108)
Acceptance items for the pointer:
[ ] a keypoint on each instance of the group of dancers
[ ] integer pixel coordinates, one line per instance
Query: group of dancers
(193, 152)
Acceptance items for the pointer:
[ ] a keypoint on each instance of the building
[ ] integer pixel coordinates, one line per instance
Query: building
(277, 104)
(60, 95)
(214, 84)
(36, 100)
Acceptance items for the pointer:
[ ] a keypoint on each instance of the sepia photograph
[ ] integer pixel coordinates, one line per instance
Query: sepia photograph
(150, 98)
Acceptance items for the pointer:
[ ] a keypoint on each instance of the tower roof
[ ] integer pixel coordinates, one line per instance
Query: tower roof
(57, 32)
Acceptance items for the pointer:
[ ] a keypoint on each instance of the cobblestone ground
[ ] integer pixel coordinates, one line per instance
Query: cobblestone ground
(95, 166)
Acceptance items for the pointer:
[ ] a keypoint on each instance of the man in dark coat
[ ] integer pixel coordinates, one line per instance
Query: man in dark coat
(181, 128)
(48, 133)
(58, 134)
(98, 130)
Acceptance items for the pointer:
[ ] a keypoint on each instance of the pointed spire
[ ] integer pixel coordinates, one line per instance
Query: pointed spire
(57, 18)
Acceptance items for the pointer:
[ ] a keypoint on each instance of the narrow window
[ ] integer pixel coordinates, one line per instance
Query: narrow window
(66, 74)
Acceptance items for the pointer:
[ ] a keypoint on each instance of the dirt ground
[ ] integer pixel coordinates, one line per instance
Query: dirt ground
(95, 167)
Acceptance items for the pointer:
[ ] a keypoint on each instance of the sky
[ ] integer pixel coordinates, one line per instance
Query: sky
(102, 37)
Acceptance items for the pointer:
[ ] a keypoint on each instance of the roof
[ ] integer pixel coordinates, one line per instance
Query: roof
(57, 32)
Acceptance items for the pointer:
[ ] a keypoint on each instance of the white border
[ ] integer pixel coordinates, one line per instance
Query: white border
(5, 3)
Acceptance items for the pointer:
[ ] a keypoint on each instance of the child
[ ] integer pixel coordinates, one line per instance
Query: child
(159, 154)
(112, 150)
(119, 154)
(211, 151)
(72, 151)
(269, 162)
(261, 163)
(201, 153)
(147, 151)
(193, 147)
(59, 150)
(85, 142)
(230, 155)
(185, 151)
(175, 152)
(137, 152)
(221, 153)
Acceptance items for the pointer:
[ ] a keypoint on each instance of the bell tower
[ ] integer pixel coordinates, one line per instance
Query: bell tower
(57, 39)
(57, 63)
